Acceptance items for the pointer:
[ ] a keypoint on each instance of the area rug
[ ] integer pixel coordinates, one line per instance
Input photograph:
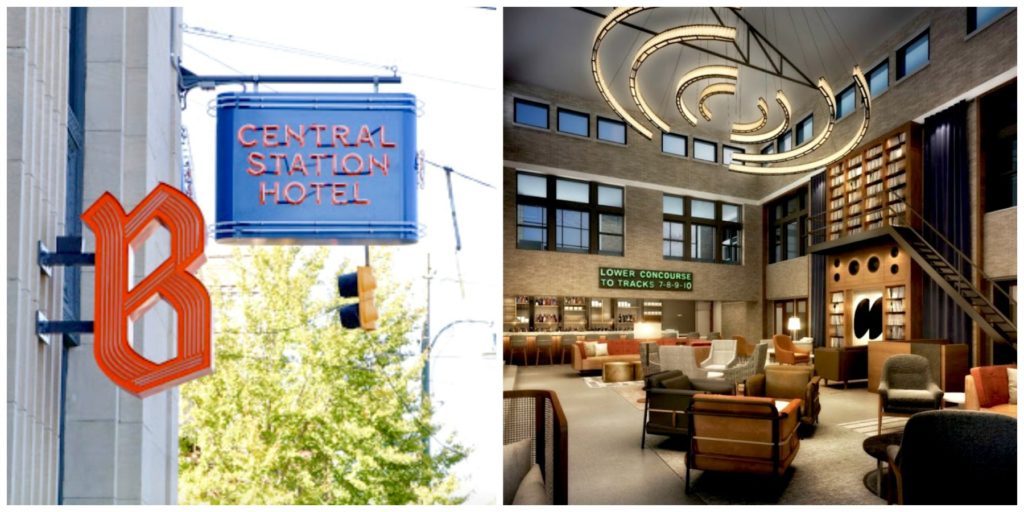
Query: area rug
(635, 395)
(828, 470)
(597, 382)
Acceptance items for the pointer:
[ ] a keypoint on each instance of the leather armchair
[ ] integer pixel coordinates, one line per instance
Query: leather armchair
(956, 457)
(741, 434)
(666, 404)
(841, 364)
(907, 387)
(787, 353)
(788, 383)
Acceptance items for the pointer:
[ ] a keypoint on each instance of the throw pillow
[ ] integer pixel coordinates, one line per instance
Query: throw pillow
(589, 347)
(531, 491)
(1011, 375)
(601, 349)
(516, 465)
(680, 382)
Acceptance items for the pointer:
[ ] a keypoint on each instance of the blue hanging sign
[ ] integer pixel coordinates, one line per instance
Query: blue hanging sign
(316, 169)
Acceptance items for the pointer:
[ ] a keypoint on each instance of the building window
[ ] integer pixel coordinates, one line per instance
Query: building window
(701, 230)
(786, 142)
(979, 17)
(769, 149)
(611, 130)
(787, 221)
(704, 150)
(912, 56)
(845, 102)
(728, 151)
(580, 216)
(878, 78)
(572, 122)
(530, 113)
(673, 144)
(532, 226)
(997, 114)
(786, 309)
(805, 130)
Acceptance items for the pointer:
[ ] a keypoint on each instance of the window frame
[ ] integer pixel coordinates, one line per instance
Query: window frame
(688, 222)
(597, 130)
(558, 121)
(795, 303)
(901, 55)
(888, 77)
(777, 225)
(839, 101)
(797, 142)
(708, 142)
(516, 100)
(735, 149)
(591, 207)
(783, 135)
(978, 28)
(686, 144)
(768, 149)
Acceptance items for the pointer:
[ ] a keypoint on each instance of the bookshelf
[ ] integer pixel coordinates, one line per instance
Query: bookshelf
(652, 310)
(837, 332)
(895, 313)
(574, 314)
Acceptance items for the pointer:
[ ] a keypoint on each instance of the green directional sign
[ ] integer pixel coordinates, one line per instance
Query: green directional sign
(641, 279)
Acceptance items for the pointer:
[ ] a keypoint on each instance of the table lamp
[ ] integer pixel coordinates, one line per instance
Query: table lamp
(793, 326)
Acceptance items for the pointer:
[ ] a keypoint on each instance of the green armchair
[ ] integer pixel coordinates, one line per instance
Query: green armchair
(787, 383)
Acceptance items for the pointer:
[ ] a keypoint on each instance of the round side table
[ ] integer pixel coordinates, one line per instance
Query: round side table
(875, 446)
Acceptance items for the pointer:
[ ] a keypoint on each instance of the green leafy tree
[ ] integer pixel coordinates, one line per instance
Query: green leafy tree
(299, 410)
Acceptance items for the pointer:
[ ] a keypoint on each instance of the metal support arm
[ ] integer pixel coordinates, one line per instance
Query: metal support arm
(69, 253)
(187, 80)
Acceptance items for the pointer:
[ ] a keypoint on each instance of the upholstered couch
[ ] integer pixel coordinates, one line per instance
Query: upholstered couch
(987, 389)
(618, 350)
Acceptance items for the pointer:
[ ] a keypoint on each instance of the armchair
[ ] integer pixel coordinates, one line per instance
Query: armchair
(722, 356)
(987, 388)
(787, 353)
(789, 382)
(537, 415)
(668, 398)
(741, 434)
(907, 387)
(752, 366)
(743, 349)
(954, 457)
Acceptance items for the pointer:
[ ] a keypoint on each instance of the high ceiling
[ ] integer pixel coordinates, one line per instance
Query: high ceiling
(551, 47)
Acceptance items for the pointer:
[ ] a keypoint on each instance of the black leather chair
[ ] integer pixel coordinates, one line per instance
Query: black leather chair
(956, 457)
(669, 395)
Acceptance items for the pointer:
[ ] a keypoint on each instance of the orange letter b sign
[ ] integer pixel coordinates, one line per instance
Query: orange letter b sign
(172, 281)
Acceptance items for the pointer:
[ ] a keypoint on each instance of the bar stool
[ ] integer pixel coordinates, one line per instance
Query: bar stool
(544, 341)
(566, 342)
(517, 342)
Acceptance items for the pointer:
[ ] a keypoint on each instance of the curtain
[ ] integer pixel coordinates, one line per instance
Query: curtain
(947, 207)
(818, 272)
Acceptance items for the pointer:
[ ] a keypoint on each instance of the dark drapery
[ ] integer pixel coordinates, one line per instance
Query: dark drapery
(947, 207)
(817, 299)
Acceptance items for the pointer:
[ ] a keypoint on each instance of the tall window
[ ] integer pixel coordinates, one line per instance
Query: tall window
(701, 230)
(786, 141)
(579, 216)
(530, 113)
(805, 130)
(912, 56)
(673, 144)
(576, 123)
(979, 17)
(788, 226)
(998, 119)
(611, 130)
(878, 78)
(845, 102)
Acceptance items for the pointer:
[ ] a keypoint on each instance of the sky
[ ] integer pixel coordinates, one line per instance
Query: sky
(449, 58)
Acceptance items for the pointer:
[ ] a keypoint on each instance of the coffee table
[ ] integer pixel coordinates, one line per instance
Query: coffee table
(875, 446)
(617, 372)
(954, 398)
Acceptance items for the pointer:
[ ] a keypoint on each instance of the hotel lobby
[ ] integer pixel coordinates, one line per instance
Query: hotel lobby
(760, 256)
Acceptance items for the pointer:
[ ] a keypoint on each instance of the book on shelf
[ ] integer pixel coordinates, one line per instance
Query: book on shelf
(896, 181)
(896, 154)
(873, 152)
(897, 292)
(855, 160)
(895, 168)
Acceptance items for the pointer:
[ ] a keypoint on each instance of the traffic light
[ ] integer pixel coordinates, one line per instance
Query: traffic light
(361, 283)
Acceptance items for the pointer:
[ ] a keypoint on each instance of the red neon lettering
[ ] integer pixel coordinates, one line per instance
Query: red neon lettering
(339, 132)
(319, 128)
(318, 186)
(338, 191)
(298, 136)
(380, 164)
(292, 186)
(172, 281)
(256, 165)
(317, 157)
(384, 143)
(270, 135)
(345, 169)
(264, 192)
(365, 136)
(298, 165)
(241, 140)
(280, 160)
(355, 195)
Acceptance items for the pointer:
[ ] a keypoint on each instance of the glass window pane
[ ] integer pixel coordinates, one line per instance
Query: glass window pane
(804, 130)
(786, 142)
(767, 150)
(792, 240)
(674, 144)
(702, 209)
(912, 57)
(845, 103)
(610, 224)
(703, 150)
(610, 244)
(575, 123)
(613, 131)
(609, 196)
(727, 152)
(778, 245)
(531, 113)
(676, 232)
(577, 191)
(731, 213)
(672, 205)
(572, 230)
(532, 224)
(983, 16)
(529, 185)
(878, 79)
(702, 242)
(793, 205)
(731, 245)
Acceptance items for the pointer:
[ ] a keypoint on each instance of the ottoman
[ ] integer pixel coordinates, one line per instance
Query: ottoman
(617, 372)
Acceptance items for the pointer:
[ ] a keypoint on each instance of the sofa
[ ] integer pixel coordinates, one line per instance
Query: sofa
(987, 388)
(618, 351)
(841, 364)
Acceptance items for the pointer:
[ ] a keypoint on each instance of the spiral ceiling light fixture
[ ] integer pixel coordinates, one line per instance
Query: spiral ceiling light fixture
(741, 132)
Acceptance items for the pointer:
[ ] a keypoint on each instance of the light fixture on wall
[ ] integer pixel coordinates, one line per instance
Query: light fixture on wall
(742, 132)
(793, 325)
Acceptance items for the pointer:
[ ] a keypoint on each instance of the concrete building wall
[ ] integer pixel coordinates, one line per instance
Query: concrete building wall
(1000, 249)
(788, 279)
(37, 41)
(118, 449)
